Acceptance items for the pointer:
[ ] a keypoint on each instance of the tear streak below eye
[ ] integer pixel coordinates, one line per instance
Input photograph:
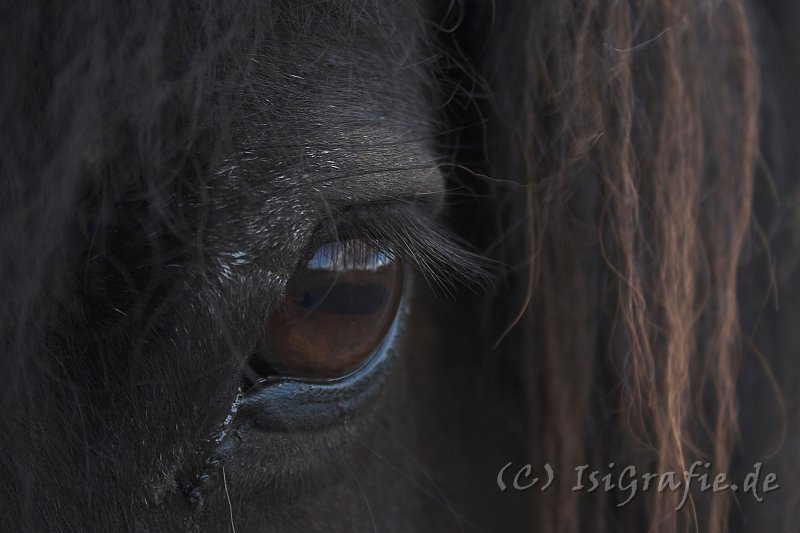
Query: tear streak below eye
(337, 312)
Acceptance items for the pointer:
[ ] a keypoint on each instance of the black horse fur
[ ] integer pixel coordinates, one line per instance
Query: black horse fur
(165, 167)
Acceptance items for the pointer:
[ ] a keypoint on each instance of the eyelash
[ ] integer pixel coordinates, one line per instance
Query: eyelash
(404, 233)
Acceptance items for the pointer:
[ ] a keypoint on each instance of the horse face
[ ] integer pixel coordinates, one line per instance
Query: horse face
(237, 292)
(206, 160)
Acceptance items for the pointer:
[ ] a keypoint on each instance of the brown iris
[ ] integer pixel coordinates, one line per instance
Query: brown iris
(337, 312)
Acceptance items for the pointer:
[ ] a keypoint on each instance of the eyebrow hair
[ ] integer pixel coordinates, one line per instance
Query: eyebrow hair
(405, 230)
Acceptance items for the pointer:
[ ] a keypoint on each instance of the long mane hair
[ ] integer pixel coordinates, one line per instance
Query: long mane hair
(622, 147)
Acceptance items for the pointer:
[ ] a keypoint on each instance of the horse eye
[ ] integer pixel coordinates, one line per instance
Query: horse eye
(337, 312)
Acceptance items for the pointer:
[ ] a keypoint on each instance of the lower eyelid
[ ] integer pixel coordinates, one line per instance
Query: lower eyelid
(280, 403)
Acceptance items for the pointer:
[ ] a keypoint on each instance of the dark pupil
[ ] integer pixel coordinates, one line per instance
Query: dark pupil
(338, 311)
(346, 298)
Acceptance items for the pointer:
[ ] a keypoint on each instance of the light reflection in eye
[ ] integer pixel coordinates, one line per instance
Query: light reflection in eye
(349, 255)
